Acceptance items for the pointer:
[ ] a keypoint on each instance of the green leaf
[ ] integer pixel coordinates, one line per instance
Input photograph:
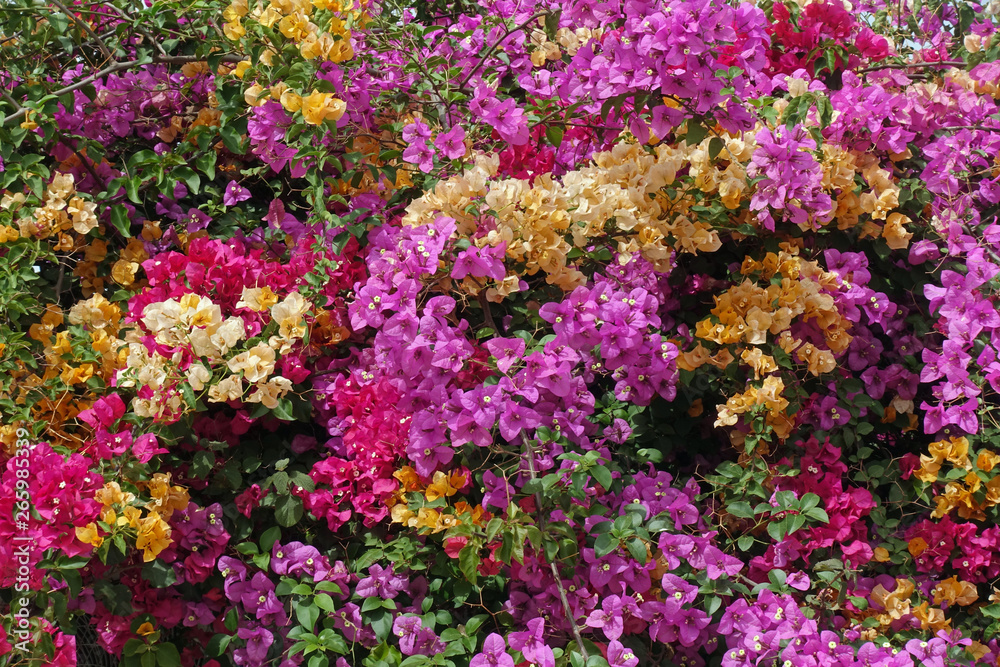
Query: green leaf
(167, 655)
(381, 622)
(604, 545)
(371, 603)
(59, 21)
(159, 574)
(474, 623)
(468, 561)
(190, 178)
(119, 218)
(715, 147)
(132, 188)
(202, 463)
(809, 501)
(206, 164)
(283, 410)
(133, 645)
(329, 587)
(696, 132)
(324, 602)
(231, 139)
(776, 529)
(741, 509)
(602, 476)
(270, 536)
(554, 134)
(288, 510)
(637, 549)
(308, 614)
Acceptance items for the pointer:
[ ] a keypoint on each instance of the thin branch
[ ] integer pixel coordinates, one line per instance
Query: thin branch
(86, 28)
(939, 63)
(969, 127)
(117, 67)
(989, 250)
(493, 48)
(138, 26)
(529, 454)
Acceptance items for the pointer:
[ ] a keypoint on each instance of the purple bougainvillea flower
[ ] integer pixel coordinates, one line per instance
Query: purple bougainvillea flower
(258, 641)
(620, 655)
(235, 193)
(532, 644)
(494, 654)
(452, 143)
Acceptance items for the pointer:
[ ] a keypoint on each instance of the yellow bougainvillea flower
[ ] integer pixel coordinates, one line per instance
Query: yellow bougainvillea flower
(931, 618)
(256, 95)
(402, 514)
(320, 107)
(291, 101)
(895, 234)
(256, 364)
(123, 272)
(153, 537)
(428, 518)
(257, 299)
(236, 10)
(166, 497)
(88, 534)
(916, 546)
(441, 487)
(241, 68)
(112, 494)
(233, 30)
(130, 517)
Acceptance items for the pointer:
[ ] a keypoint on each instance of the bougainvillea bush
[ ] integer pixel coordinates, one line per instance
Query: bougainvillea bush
(496, 333)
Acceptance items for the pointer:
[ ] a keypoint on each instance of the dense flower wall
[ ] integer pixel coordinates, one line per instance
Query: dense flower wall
(496, 333)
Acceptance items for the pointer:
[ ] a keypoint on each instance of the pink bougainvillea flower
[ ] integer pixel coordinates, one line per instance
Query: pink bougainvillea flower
(146, 447)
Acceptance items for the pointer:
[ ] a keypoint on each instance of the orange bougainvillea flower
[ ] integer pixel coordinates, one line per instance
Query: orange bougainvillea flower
(953, 591)
(897, 603)
(145, 629)
(916, 546)
(444, 485)
(987, 460)
(408, 478)
(931, 618)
